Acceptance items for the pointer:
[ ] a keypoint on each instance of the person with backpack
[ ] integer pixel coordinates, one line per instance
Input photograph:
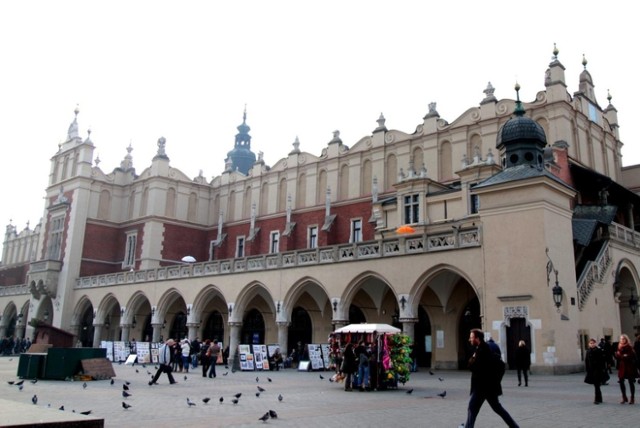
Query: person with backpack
(487, 369)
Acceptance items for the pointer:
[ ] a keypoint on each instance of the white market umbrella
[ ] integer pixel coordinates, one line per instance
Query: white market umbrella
(189, 259)
(368, 328)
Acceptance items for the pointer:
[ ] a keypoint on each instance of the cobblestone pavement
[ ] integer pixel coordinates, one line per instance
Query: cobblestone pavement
(309, 401)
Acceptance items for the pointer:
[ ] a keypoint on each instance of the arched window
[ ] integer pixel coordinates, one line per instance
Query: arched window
(344, 183)
(391, 176)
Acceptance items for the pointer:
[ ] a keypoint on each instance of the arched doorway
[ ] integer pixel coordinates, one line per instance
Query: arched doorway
(214, 327)
(147, 329)
(517, 330)
(422, 339)
(252, 328)
(469, 319)
(300, 329)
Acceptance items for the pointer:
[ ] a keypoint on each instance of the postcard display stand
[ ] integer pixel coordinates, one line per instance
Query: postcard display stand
(109, 347)
(260, 356)
(315, 356)
(246, 357)
(325, 355)
(142, 351)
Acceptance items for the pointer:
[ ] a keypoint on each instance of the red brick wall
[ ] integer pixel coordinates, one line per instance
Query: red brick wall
(180, 241)
(104, 246)
(15, 275)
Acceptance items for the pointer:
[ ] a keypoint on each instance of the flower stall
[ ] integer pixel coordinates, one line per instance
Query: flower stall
(391, 360)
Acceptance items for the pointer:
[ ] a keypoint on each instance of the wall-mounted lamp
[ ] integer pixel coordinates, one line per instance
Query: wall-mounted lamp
(153, 310)
(230, 309)
(20, 317)
(107, 322)
(164, 324)
(403, 302)
(188, 310)
(133, 324)
(335, 305)
(46, 315)
(556, 290)
(121, 311)
(94, 314)
(278, 307)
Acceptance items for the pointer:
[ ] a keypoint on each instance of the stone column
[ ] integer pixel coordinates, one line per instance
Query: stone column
(193, 330)
(157, 332)
(234, 341)
(98, 333)
(126, 330)
(408, 326)
(283, 337)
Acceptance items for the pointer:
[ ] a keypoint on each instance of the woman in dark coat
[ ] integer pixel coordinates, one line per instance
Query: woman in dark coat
(349, 366)
(523, 362)
(594, 365)
(626, 368)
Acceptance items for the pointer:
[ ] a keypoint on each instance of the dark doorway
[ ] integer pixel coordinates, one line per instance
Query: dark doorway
(147, 329)
(356, 316)
(519, 330)
(214, 328)
(422, 339)
(300, 329)
(179, 329)
(252, 328)
(470, 319)
(86, 328)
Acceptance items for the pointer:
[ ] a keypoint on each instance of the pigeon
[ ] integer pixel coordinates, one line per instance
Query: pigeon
(19, 383)
(137, 371)
(11, 382)
(112, 382)
(61, 408)
(84, 385)
(155, 367)
(20, 387)
(149, 373)
(221, 400)
(273, 414)
(34, 399)
(331, 379)
(258, 394)
(269, 379)
(238, 395)
(205, 400)
(33, 381)
(125, 394)
(280, 397)
(443, 394)
(185, 377)
(88, 412)
(190, 403)
(126, 382)
(264, 417)
(125, 405)
(235, 401)
(257, 379)
(409, 391)
(226, 367)
(144, 366)
(321, 377)
(125, 387)
(431, 373)
(440, 379)
(225, 373)
(261, 389)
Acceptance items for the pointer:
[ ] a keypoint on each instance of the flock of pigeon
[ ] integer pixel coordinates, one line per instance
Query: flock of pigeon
(270, 414)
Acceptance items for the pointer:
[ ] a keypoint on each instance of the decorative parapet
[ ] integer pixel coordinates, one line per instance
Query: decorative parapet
(359, 251)
(14, 290)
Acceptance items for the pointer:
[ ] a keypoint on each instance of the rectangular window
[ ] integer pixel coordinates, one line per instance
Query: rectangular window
(55, 237)
(312, 237)
(475, 204)
(212, 250)
(240, 246)
(274, 242)
(411, 209)
(356, 230)
(130, 250)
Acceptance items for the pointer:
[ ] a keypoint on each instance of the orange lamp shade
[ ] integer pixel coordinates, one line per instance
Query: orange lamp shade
(405, 229)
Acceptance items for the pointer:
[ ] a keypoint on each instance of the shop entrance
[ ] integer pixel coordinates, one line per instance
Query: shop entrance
(214, 328)
(252, 328)
(517, 331)
(469, 319)
(422, 339)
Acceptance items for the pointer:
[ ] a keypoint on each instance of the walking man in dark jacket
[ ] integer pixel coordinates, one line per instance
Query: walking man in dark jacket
(485, 381)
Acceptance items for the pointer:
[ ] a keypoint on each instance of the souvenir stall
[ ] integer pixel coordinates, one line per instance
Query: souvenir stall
(391, 352)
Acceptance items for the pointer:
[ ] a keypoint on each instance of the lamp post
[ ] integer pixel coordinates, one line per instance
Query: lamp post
(46, 316)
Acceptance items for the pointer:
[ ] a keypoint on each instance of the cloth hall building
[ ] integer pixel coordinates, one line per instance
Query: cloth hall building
(517, 217)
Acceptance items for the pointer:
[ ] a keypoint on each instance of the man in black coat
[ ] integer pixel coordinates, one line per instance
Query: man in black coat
(485, 381)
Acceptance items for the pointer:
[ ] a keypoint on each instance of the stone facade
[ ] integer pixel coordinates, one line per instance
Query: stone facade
(286, 253)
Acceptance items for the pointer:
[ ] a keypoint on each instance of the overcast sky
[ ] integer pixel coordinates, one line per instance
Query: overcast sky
(139, 70)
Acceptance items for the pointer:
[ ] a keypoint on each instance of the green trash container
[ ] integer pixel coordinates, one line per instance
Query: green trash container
(31, 366)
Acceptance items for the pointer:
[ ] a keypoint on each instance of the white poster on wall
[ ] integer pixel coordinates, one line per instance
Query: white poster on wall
(439, 339)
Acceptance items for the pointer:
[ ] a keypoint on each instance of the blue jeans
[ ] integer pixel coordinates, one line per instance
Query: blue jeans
(363, 376)
(476, 401)
(185, 362)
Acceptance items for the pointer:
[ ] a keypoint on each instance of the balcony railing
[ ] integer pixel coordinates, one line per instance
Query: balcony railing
(444, 238)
